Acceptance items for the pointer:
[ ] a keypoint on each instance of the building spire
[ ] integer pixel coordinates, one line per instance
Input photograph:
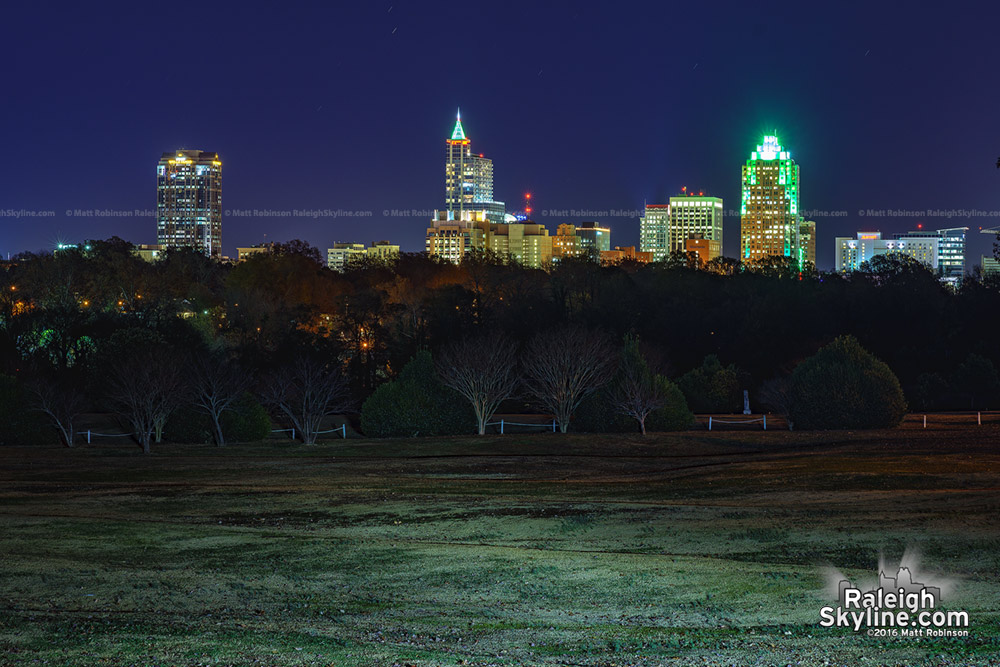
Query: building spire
(458, 134)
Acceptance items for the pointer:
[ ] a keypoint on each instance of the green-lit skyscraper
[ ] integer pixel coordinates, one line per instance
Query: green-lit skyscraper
(769, 212)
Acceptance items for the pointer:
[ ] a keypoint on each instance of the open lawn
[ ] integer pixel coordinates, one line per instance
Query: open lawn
(688, 549)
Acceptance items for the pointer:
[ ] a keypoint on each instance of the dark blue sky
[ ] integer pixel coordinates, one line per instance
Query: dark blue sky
(598, 108)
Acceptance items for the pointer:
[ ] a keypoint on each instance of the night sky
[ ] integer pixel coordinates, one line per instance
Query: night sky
(587, 108)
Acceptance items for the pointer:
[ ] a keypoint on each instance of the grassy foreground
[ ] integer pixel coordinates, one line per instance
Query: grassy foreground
(691, 549)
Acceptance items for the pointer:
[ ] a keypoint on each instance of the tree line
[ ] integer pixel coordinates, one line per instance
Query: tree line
(98, 323)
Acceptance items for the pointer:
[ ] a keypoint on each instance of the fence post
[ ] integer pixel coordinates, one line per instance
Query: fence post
(979, 418)
(710, 423)
(343, 429)
(765, 422)
(293, 433)
(553, 425)
(925, 421)
(501, 426)
(88, 436)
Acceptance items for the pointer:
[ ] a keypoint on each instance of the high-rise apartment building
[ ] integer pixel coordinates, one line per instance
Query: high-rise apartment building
(654, 236)
(468, 178)
(769, 211)
(189, 201)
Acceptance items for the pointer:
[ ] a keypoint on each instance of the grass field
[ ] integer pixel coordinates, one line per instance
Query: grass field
(690, 549)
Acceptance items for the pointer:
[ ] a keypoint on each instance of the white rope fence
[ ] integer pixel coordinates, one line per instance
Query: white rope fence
(503, 423)
(89, 433)
(342, 429)
(716, 420)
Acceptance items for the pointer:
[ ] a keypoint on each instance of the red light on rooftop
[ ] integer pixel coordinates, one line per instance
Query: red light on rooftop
(920, 225)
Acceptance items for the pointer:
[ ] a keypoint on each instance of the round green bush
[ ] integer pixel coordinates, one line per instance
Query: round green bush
(416, 403)
(712, 387)
(843, 386)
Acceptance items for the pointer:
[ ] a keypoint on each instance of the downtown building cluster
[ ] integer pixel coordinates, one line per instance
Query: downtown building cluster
(473, 221)
(690, 224)
(772, 224)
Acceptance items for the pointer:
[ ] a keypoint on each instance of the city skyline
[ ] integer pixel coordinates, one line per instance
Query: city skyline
(381, 151)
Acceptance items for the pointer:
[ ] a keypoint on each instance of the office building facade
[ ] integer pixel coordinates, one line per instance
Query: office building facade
(696, 217)
(654, 234)
(769, 210)
(468, 178)
(951, 250)
(594, 239)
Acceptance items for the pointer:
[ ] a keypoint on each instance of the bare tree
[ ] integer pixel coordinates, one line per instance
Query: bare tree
(635, 391)
(61, 402)
(216, 384)
(145, 388)
(483, 370)
(565, 366)
(305, 393)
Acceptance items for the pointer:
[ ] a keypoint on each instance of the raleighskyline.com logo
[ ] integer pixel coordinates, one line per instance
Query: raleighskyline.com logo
(895, 607)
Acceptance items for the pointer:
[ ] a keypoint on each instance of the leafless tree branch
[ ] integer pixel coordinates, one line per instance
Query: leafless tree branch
(305, 392)
(483, 370)
(564, 366)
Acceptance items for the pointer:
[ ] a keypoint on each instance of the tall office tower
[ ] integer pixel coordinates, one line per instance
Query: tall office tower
(951, 250)
(189, 201)
(769, 212)
(594, 239)
(653, 231)
(694, 217)
(807, 243)
(468, 178)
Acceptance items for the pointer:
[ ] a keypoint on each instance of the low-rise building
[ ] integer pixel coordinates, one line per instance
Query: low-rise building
(622, 253)
(705, 249)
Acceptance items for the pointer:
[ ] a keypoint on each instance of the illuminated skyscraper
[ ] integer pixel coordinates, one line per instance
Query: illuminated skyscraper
(769, 212)
(468, 178)
(189, 201)
(694, 217)
(654, 236)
